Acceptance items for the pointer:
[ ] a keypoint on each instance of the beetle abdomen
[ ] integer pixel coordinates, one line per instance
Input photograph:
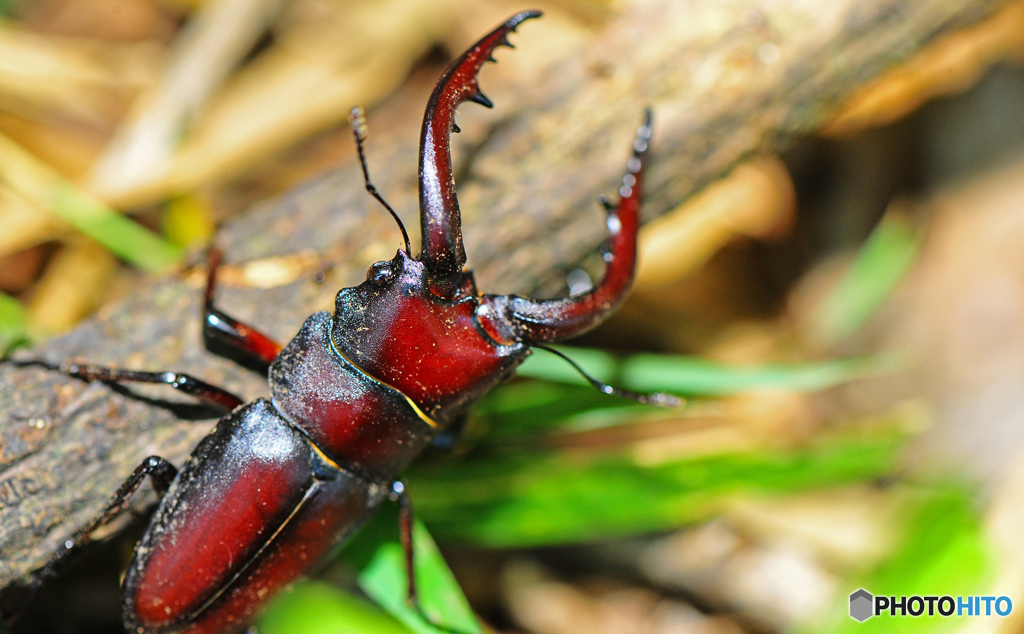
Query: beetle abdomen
(354, 418)
(254, 507)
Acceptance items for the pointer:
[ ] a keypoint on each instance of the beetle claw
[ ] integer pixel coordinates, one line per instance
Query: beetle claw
(443, 252)
(481, 99)
(539, 321)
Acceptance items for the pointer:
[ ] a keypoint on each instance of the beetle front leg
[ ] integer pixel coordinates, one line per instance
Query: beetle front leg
(221, 327)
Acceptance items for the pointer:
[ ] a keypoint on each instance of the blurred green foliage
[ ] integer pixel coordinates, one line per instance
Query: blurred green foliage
(13, 323)
(942, 550)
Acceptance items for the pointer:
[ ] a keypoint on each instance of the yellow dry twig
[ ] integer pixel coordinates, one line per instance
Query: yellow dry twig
(71, 287)
(752, 200)
(344, 54)
(68, 75)
(216, 40)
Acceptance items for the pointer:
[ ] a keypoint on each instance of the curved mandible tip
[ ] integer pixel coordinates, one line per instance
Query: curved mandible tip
(443, 253)
(539, 321)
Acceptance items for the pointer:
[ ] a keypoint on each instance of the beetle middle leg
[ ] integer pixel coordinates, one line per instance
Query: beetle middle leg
(206, 392)
(399, 495)
(405, 522)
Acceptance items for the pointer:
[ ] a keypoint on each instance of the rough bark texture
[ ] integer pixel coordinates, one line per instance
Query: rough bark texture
(724, 80)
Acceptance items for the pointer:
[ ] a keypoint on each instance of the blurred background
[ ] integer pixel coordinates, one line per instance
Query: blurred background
(845, 315)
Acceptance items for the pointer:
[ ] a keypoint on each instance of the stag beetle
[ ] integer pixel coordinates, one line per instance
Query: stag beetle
(355, 396)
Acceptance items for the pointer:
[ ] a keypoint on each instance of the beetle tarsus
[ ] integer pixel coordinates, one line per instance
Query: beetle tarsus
(186, 383)
(206, 392)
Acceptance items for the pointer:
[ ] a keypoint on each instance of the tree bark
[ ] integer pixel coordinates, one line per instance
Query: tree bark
(724, 81)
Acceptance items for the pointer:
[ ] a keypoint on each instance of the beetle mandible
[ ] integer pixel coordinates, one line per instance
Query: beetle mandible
(355, 396)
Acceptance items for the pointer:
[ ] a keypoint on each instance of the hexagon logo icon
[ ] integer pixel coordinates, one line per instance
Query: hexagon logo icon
(862, 605)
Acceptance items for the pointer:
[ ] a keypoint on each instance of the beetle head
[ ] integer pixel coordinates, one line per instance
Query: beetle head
(434, 350)
(419, 325)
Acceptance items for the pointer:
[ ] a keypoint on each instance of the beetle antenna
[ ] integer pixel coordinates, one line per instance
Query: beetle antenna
(359, 130)
(654, 398)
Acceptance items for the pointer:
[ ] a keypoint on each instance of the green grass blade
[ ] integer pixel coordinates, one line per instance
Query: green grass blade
(380, 561)
(124, 237)
(943, 551)
(879, 266)
(698, 376)
(38, 184)
(315, 607)
(687, 375)
(13, 323)
(533, 498)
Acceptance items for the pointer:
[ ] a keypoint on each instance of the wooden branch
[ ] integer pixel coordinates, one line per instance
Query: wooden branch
(725, 81)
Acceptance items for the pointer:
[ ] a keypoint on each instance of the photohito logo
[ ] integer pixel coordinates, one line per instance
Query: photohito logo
(861, 605)
(864, 605)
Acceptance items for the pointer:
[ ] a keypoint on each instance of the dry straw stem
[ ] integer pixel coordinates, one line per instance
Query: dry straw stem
(725, 81)
(218, 37)
(26, 186)
(75, 77)
(71, 287)
(329, 57)
(754, 200)
(24, 223)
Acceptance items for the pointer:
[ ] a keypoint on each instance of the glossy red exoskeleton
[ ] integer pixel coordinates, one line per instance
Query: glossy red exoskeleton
(355, 396)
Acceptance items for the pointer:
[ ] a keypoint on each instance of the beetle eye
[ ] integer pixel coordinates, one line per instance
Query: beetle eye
(380, 273)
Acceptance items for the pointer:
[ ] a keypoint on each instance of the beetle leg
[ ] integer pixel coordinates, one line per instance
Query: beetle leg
(161, 473)
(182, 382)
(443, 252)
(216, 396)
(221, 327)
(405, 523)
(540, 321)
